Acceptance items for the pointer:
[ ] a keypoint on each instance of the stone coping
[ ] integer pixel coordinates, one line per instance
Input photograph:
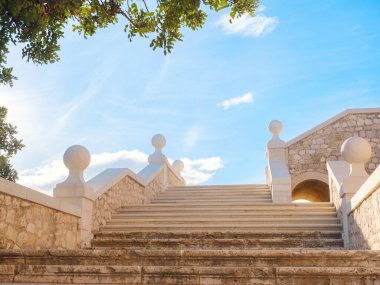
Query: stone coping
(37, 197)
(331, 120)
(111, 176)
(371, 185)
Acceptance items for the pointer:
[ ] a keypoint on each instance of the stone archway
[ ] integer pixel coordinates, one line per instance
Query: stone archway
(311, 190)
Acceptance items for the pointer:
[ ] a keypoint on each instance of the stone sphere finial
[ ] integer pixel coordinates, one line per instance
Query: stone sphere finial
(158, 141)
(178, 166)
(76, 158)
(275, 127)
(356, 150)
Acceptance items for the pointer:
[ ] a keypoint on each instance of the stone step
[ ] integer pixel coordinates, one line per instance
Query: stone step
(212, 195)
(239, 244)
(211, 215)
(243, 206)
(211, 211)
(202, 240)
(275, 227)
(278, 267)
(220, 192)
(166, 208)
(220, 187)
(214, 201)
(220, 235)
(229, 220)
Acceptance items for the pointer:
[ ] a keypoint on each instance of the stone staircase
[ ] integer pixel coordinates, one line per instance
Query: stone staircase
(205, 235)
(221, 217)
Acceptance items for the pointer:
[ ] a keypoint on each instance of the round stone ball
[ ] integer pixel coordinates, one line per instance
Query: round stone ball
(275, 127)
(178, 165)
(77, 157)
(158, 141)
(356, 150)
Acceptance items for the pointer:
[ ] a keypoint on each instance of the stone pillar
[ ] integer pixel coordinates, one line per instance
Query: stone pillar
(74, 189)
(356, 151)
(277, 171)
(157, 157)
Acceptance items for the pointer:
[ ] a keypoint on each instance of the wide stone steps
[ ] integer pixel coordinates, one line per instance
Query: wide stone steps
(204, 212)
(217, 240)
(197, 267)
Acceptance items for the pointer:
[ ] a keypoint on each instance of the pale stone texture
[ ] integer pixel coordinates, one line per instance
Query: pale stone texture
(364, 224)
(28, 225)
(173, 179)
(336, 200)
(311, 153)
(127, 191)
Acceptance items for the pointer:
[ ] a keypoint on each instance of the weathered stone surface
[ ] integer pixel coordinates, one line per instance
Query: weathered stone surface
(126, 192)
(190, 266)
(311, 153)
(25, 224)
(364, 224)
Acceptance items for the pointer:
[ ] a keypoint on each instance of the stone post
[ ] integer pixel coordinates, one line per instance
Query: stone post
(356, 151)
(74, 189)
(158, 158)
(277, 170)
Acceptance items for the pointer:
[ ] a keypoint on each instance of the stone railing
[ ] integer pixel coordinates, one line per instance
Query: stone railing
(30, 219)
(356, 195)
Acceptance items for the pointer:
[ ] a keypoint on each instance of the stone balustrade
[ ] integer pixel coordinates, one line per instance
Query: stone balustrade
(355, 194)
(30, 219)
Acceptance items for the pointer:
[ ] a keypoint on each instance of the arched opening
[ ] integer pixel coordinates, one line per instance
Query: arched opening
(311, 190)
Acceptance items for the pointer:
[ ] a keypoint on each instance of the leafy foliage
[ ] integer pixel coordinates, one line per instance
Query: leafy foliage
(9, 146)
(39, 24)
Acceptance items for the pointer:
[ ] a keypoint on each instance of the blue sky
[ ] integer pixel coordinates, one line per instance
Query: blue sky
(299, 61)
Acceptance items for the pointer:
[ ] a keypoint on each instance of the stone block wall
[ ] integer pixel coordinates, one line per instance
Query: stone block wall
(311, 153)
(364, 224)
(127, 191)
(28, 225)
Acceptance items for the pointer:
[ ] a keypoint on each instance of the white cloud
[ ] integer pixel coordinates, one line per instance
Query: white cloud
(247, 25)
(244, 99)
(198, 171)
(45, 177)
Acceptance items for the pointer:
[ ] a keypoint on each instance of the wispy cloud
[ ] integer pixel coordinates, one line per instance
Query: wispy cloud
(246, 98)
(247, 25)
(97, 79)
(191, 137)
(45, 177)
